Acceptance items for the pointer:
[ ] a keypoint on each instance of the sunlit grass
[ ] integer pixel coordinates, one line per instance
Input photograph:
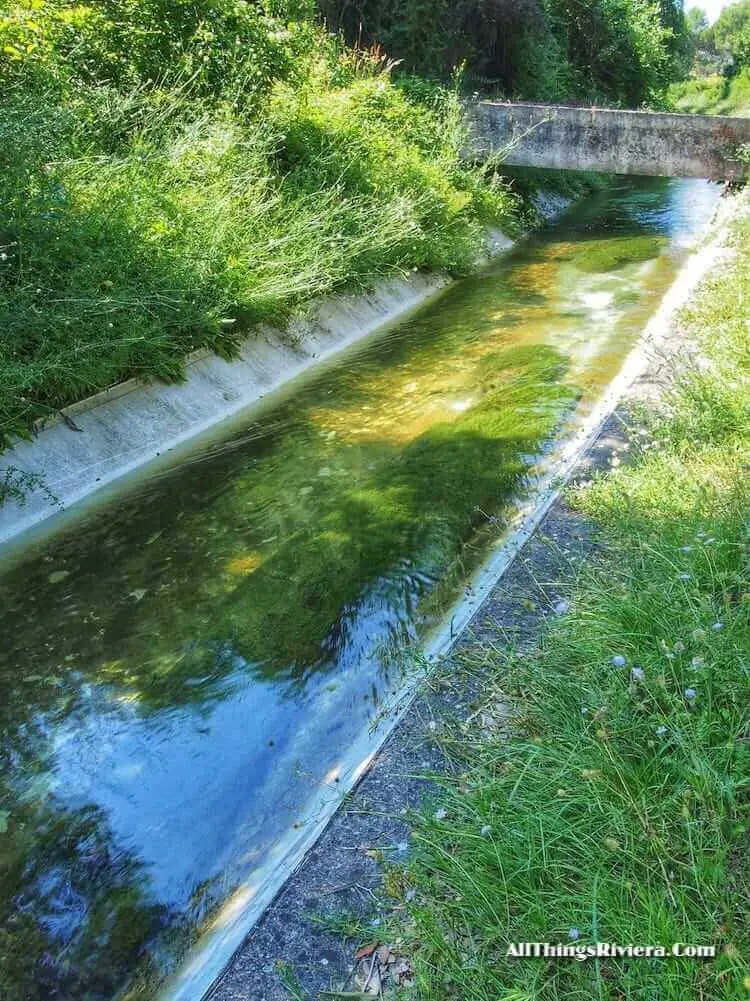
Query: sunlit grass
(140, 227)
(712, 95)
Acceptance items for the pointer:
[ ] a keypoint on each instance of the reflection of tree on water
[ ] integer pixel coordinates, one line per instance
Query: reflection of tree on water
(167, 632)
(74, 912)
(76, 909)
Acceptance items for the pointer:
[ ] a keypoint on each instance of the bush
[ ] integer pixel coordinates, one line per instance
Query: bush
(235, 49)
(614, 50)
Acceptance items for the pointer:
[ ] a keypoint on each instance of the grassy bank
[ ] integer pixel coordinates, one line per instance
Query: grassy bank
(198, 225)
(617, 809)
(148, 215)
(712, 95)
(174, 173)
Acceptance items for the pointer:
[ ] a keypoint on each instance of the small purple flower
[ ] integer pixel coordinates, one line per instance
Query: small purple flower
(637, 674)
(684, 576)
(486, 831)
(717, 626)
(690, 694)
(661, 730)
(574, 934)
(619, 661)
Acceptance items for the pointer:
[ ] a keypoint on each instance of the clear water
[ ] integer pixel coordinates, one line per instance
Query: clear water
(182, 668)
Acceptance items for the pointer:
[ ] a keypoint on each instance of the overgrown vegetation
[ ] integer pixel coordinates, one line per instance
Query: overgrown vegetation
(173, 173)
(144, 222)
(720, 81)
(729, 37)
(618, 51)
(617, 810)
(715, 94)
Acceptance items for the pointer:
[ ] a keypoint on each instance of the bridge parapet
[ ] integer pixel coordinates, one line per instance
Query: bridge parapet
(622, 142)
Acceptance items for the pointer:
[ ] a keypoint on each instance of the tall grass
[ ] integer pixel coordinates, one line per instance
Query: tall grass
(712, 95)
(141, 224)
(617, 810)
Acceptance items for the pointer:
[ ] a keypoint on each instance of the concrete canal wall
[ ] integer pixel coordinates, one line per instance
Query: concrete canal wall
(614, 141)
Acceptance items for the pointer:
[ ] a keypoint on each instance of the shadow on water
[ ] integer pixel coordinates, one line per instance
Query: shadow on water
(181, 670)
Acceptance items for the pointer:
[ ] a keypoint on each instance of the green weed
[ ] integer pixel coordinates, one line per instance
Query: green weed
(712, 95)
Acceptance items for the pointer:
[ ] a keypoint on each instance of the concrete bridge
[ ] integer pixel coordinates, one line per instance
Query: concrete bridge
(622, 142)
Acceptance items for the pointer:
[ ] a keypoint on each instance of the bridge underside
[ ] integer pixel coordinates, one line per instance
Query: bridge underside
(622, 142)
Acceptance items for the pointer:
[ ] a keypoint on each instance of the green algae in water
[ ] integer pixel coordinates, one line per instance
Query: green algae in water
(608, 255)
(169, 665)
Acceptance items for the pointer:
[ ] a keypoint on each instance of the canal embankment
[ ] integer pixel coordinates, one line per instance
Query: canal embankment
(102, 438)
(572, 771)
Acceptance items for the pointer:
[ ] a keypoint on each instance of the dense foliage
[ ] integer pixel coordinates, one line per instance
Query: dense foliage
(621, 51)
(220, 47)
(720, 82)
(712, 94)
(730, 35)
(172, 174)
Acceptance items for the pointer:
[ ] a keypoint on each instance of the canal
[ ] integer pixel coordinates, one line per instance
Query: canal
(183, 667)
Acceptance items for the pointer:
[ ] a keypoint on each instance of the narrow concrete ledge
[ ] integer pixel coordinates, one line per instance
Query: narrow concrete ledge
(132, 423)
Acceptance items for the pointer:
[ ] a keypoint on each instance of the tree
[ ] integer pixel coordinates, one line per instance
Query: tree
(696, 21)
(731, 33)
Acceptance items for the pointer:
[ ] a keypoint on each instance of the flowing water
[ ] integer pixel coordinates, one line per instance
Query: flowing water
(182, 667)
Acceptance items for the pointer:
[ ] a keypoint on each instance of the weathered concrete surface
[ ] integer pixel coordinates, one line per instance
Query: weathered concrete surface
(124, 428)
(621, 142)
